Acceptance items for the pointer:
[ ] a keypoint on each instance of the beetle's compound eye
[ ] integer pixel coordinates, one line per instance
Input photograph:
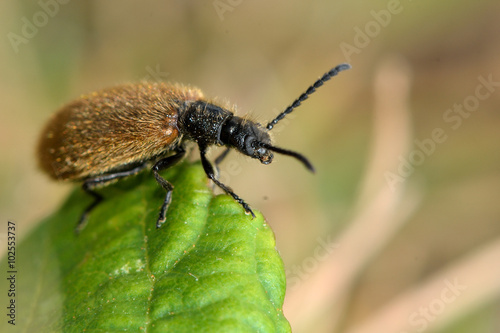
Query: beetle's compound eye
(254, 149)
(250, 145)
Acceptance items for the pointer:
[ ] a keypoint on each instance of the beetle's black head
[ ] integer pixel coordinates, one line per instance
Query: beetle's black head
(248, 138)
(253, 140)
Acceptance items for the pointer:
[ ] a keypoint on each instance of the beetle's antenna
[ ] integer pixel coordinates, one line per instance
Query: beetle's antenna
(298, 156)
(327, 76)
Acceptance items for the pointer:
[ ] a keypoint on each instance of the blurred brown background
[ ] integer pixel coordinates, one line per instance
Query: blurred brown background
(390, 234)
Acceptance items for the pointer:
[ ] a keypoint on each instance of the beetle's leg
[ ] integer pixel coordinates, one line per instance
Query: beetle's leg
(220, 158)
(162, 165)
(209, 170)
(91, 183)
(217, 161)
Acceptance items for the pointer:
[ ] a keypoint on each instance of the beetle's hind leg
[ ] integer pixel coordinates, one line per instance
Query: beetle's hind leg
(91, 183)
(82, 222)
(163, 164)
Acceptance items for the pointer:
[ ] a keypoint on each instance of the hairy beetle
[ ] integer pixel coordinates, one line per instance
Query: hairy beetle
(117, 132)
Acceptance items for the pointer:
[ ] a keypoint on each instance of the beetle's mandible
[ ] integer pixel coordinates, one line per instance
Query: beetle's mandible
(117, 132)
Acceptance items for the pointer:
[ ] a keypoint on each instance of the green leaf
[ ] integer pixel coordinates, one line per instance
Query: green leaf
(210, 268)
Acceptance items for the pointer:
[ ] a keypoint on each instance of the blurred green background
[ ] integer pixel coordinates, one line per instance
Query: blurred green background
(395, 246)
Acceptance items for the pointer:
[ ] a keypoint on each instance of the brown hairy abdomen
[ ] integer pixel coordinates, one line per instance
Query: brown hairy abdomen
(108, 129)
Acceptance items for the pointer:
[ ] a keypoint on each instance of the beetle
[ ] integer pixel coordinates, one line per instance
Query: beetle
(116, 132)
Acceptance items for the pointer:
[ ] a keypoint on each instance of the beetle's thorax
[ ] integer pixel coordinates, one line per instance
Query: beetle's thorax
(202, 122)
